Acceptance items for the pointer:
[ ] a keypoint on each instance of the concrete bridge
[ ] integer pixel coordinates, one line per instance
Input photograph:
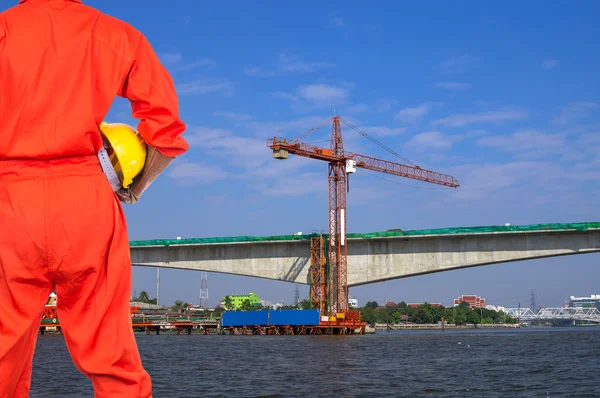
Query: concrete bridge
(372, 257)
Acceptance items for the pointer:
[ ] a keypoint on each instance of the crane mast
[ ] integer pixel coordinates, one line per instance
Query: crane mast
(329, 274)
(338, 252)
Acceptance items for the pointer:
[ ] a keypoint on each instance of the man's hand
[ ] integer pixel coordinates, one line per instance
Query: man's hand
(155, 164)
(126, 196)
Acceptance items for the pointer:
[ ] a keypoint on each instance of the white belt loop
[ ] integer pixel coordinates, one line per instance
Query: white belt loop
(108, 169)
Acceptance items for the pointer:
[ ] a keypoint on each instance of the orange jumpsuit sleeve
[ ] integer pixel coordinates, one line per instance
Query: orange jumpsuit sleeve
(151, 91)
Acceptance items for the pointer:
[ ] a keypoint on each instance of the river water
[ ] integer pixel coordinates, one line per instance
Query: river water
(551, 362)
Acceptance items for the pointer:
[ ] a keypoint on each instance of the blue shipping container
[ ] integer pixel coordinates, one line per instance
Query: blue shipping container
(245, 318)
(294, 317)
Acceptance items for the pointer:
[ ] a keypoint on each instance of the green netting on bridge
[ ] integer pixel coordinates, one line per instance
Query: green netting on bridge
(584, 226)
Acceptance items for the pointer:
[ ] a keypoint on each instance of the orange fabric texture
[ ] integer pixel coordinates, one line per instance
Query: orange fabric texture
(68, 231)
(61, 65)
(62, 227)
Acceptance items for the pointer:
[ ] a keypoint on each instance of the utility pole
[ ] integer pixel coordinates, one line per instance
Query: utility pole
(157, 285)
(297, 295)
(203, 298)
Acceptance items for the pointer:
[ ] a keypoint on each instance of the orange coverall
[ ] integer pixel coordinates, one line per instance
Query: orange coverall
(61, 226)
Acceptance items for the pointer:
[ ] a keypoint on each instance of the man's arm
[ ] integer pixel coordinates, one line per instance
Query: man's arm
(154, 102)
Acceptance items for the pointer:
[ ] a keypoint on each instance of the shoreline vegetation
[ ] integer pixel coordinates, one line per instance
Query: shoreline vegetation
(402, 316)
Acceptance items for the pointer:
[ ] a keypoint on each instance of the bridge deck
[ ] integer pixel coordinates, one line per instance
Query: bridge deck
(481, 230)
(372, 257)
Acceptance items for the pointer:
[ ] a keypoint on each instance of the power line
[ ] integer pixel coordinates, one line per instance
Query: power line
(533, 301)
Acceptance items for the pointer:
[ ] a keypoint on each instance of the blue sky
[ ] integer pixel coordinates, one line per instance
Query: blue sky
(502, 96)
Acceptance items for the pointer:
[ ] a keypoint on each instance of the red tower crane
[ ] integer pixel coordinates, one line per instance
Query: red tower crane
(329, 287)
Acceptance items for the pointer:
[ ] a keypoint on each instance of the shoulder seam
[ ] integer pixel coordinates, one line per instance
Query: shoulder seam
(146, 75)
(125, 57)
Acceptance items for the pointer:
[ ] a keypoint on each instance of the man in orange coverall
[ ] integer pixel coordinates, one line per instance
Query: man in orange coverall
(61, 225)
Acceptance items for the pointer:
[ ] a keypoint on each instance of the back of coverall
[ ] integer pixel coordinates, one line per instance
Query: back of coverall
(61, 226)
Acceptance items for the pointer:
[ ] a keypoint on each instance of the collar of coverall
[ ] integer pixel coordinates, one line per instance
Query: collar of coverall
(23, 1)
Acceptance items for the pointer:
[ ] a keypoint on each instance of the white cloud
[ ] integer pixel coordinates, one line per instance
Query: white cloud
(484, 181)
(174, 61)
(380, 105)
(323, 93)
(430, 140)
(296, 64)
(295, 185)
(204, 62)
(383, 104)
(287, 96)
(292, 128)
(499, 116)
(453, 85)
(197, 172)
(289, 64)
(534, 142)
(281, 168)
(256, 71)
(574, 111)
(249, 159)
(382, 131)
(482, 103)
(206, 86)
(414, 113)
(357, 108)
(548, 164)
(314, 96)
(549, 64)
(170, 58)
(457, 64)
(235, 149)
(197, 136)
(233, 115)
(246, 149)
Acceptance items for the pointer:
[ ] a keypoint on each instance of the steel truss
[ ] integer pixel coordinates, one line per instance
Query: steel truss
(575, 313)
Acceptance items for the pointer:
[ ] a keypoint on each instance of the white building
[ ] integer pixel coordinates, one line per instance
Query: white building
(495, 308)
(585, 302)
(352, 303)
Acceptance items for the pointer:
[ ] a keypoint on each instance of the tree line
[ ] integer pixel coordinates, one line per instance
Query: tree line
(462, 314)
(178, 306)
(373, 313)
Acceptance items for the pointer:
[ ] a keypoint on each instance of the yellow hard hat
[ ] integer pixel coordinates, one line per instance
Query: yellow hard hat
(126, 149)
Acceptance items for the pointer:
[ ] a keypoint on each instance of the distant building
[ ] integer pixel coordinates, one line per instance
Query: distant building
(238, 299)
(268, 304)
(585, 302)
(472, 300)
(145, 306)
(352, 303)
(51, 299)
(496, 308)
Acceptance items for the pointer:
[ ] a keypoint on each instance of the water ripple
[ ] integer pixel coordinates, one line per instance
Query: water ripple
(483, 363)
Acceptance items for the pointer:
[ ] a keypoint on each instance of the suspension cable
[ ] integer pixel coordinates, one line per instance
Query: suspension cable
(376, 142)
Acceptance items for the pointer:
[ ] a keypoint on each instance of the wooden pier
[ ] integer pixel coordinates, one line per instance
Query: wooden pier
(180, 323)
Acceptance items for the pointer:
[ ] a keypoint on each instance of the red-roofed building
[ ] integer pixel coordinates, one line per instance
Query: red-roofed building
(472, 300)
